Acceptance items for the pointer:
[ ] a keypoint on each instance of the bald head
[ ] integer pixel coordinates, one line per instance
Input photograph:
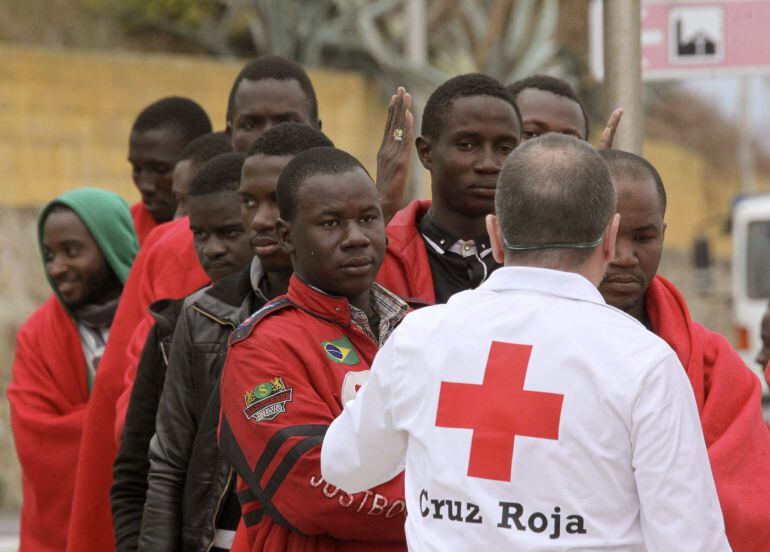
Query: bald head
(554, 199)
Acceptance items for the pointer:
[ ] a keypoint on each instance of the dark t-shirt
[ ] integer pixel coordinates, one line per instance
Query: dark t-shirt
(455, 264)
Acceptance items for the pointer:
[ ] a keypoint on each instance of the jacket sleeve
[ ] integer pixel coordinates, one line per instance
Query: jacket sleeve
(170, 448)
(279, 457)
(679, 508)
(129, 490)
(363, 448)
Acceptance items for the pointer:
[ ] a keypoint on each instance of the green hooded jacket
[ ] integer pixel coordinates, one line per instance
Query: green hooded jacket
(108, 219)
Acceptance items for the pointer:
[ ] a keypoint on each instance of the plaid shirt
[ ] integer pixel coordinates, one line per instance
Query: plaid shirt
(387, 306)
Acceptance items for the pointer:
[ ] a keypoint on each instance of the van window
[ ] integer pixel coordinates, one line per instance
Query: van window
(758, 261)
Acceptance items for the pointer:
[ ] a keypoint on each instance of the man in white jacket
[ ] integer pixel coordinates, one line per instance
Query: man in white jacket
(528, 414)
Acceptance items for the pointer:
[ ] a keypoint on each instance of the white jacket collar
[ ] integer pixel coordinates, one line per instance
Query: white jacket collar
(543, 280)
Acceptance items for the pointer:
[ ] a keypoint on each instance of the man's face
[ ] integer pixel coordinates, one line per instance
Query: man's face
(260, 105)
(337, 237)
(220, 239)
(184, 172)
(476, 136)
(639, 245)
(74, 262)
(153, 154)
(259, 209)
(764, 353)
(543, 112)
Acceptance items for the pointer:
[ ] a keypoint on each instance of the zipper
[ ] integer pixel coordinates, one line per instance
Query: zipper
(219, 505)
(163, 352)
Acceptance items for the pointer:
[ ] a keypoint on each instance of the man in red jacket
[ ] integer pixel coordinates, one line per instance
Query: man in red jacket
(293, 364)
(87, 243)
(726, 391)
(469, 126)
(158, 135)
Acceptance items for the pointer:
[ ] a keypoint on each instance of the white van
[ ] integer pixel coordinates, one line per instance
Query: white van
(751, 274)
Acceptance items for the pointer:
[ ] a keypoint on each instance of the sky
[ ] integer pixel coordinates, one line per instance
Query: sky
(724, 92)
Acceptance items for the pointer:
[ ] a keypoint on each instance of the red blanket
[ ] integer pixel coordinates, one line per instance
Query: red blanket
(144, 224)
(166, 267)
(728, 395)
(48, 394)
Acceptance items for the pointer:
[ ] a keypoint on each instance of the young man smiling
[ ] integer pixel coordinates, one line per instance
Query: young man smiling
(87, 243)
(294, 363)
(435, 249)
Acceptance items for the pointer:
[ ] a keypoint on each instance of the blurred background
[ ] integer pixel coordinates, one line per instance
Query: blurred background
(74, 74)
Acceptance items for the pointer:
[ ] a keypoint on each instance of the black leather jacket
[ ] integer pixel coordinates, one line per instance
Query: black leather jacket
(129, 491)
(189, 481)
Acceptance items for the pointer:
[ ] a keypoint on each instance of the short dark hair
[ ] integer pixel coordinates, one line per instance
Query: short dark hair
(206, 147)
(554, 85)
(629, 165)
(462, 86)
(183, 114)
(313, 162)
(289, 139)
(553, 190)
(219, 174)
(277, 68)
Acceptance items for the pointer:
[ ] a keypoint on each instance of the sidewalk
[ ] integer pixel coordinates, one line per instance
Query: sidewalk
(9, 531)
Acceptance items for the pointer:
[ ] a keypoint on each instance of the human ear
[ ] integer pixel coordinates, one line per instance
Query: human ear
(424, 151)
(611, 238)
(495, 238)
(283, 233)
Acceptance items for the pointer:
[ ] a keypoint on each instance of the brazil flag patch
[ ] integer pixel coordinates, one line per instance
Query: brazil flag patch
(341, 351)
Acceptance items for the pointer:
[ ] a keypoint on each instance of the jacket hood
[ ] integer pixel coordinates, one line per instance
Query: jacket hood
(108, 218)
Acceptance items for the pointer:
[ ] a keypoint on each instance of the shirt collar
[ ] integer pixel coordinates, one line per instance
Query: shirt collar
(338, 309)
(389, 308)
(443, 241)
(256, 274)
(570, 285)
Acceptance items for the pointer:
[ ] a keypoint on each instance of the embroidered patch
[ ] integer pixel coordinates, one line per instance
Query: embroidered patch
(341, 351)
(267, 400)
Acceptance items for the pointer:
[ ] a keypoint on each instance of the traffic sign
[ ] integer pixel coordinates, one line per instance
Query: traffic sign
(694, 38)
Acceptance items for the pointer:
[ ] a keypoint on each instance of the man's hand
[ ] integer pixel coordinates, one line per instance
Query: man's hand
(608, 134)
(393, 156)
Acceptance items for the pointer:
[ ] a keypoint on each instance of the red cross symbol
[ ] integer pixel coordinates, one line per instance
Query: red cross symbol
(498, 410)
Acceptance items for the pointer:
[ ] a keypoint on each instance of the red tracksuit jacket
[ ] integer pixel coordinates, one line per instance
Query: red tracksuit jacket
(406, 270)
(288, 368)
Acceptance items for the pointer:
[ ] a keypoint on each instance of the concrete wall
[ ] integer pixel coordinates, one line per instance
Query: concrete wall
(66, 115)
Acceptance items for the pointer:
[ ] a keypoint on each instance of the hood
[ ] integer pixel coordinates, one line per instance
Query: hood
(108, 219)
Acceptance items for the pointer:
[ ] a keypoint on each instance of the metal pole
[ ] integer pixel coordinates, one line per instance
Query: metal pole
(623, 70)
(416, 49)
(746, 138)
(416, 41)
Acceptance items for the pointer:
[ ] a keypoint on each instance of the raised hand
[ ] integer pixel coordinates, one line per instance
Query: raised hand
(608, 134)
(394, 153)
